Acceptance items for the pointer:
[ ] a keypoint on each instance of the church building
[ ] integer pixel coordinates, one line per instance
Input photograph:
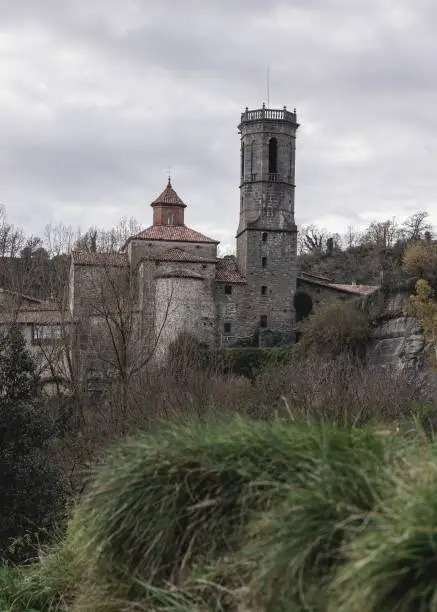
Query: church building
(168, 280)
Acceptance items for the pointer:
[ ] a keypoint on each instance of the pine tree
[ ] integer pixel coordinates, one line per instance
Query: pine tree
(30, 488)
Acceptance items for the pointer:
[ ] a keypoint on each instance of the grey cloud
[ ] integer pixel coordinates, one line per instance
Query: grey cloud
(114, 92)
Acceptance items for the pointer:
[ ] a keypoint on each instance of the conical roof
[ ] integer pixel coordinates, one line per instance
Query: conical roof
(168, 197)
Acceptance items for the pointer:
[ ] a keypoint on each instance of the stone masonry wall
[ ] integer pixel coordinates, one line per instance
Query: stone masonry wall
(278, 276)
(227, 306)
(322, 295)
(183, 305)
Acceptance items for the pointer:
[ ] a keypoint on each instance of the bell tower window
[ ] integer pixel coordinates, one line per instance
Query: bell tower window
(169, 218)
(273, 156)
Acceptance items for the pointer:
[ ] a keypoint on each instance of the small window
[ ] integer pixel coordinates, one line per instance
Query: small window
(170, 219)
(264, 262)
(227, 327)
(263, 290)
(228, 289)
(264, 236)
(263, 321)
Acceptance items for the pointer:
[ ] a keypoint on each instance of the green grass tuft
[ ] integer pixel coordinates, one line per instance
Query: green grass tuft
(393, 566)
(298, 544)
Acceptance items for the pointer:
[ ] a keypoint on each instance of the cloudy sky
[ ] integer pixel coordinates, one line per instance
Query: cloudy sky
(98, 97)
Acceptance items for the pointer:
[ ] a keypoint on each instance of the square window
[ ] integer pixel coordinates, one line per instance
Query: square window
(228, 289)
(264, 262)
(263, 290)
(227, 327)
(263, 321)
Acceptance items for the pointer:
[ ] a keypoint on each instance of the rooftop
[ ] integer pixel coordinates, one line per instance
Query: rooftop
(169, 197)
(176, 233)
(177, 254)
(345, 288)
(227, 271)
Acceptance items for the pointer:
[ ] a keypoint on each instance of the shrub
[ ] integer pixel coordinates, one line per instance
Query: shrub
(340, 390)
(249, 362)
(420, 259)
(336, 328)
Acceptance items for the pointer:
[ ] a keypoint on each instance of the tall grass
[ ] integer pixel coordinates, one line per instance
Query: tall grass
(279, 515)
(165, 504)
(393, 566)
(298, 544)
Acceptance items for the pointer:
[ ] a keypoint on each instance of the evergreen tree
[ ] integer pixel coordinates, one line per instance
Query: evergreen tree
(30, 488)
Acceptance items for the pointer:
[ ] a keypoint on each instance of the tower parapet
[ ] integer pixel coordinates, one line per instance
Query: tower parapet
(268, 114)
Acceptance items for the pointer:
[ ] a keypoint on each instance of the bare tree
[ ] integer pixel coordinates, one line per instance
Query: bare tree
(416, 226)
(118, 339)
(352, 237)
(11, 238)
(312, 239)
(59, 239)
(98, 240)
(382, 235)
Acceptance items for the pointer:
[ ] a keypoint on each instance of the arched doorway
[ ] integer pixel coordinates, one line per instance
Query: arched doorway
(303, 305)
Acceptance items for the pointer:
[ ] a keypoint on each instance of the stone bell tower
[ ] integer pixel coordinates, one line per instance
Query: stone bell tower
(266, 235)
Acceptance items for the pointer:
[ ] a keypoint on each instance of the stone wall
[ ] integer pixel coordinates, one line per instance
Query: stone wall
(97, 292)
(278, 278)
(227, 305)
(321, 294)
(184, 304)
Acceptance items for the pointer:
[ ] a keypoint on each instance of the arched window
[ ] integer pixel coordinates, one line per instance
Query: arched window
(170, 219)
(242, 161)
(273, 156)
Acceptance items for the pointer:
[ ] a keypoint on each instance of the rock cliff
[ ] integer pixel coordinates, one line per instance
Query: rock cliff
(397, 338)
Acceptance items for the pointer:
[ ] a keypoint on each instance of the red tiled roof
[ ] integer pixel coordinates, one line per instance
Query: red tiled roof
(168, 196)
(176, 233)
(181, 255)
(86, 258)
(227, 271)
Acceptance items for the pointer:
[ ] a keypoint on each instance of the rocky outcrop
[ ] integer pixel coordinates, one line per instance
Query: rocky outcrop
(398, 341)
(397, 338)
